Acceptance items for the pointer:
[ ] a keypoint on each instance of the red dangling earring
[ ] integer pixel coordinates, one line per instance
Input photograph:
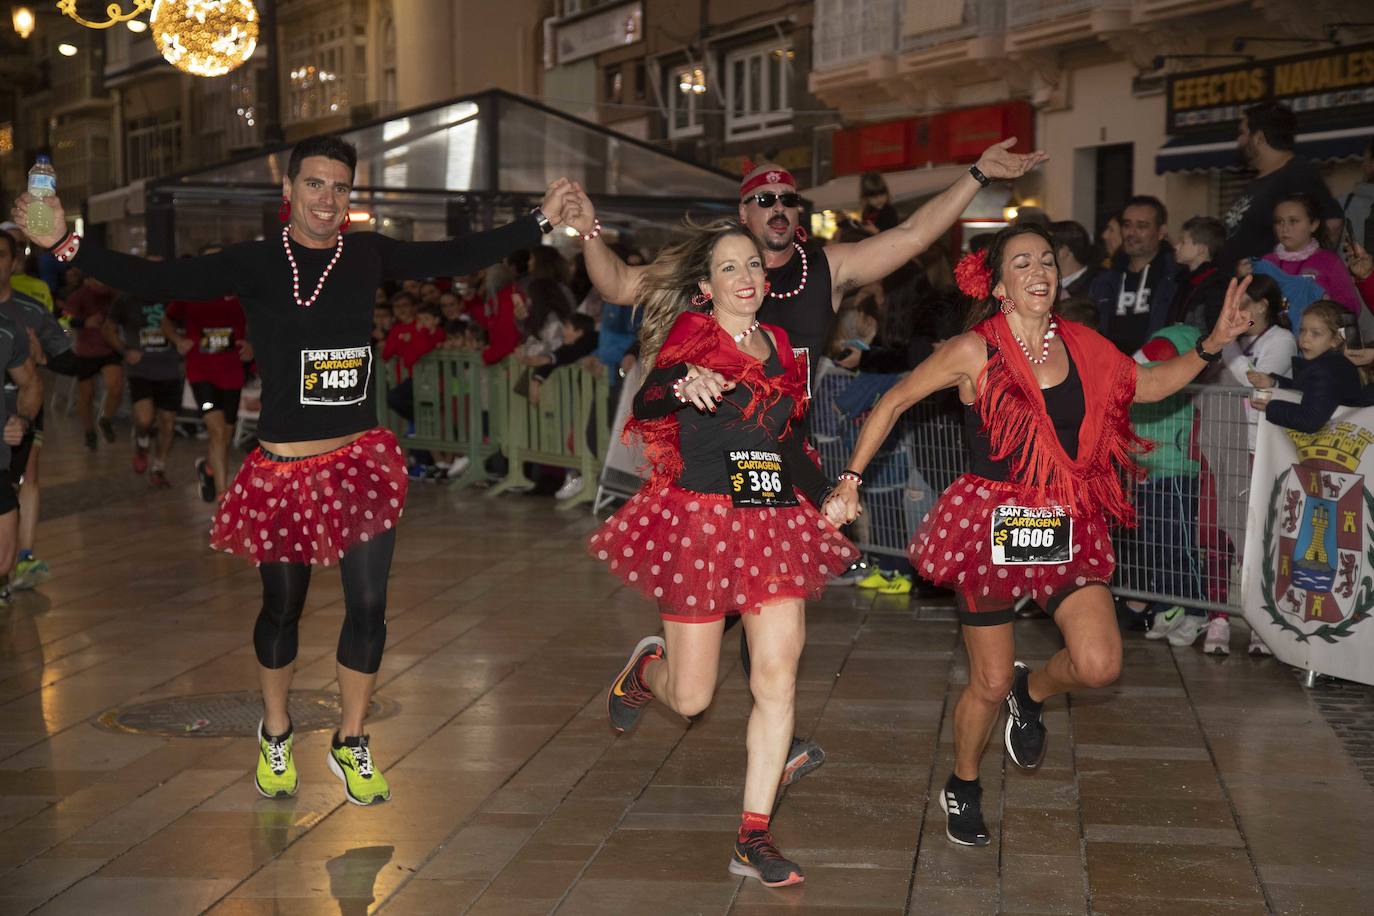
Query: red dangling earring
(347, 221)
(767, 287)
(801, 235)
(284, 211)
(701, 300)
(1007, 305)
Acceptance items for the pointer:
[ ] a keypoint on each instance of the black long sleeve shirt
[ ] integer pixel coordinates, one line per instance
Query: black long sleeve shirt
(315, 363)
(1326, 383)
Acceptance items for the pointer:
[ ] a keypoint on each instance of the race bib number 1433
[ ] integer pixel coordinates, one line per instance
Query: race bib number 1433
(335, 377)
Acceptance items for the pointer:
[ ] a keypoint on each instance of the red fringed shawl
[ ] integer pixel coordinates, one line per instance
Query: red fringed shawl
(697, 339)
(1019, 430)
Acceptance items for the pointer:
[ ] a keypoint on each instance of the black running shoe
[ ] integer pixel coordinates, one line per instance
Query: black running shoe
(756, 857)
(963, 808)
(207, 480)
(802, 757)
(1026, 738)
(628, 695)
(106, 429)
(90, 440)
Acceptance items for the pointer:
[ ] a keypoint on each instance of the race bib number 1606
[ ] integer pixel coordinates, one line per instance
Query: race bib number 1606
(335, 377)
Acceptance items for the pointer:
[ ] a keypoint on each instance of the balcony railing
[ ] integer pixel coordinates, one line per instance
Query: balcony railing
(1033, 12)
(927, 25)
(851, 31)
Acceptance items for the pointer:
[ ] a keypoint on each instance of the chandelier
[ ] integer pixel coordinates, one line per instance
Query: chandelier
(113, 10)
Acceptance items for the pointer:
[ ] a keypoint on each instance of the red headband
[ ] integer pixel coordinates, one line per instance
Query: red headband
(771, 176)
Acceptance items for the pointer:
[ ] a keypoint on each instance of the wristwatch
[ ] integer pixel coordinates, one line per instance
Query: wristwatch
(978, 176)
(545, 226)
(1207, 357)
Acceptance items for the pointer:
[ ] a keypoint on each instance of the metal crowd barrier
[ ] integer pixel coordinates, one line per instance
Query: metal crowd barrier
(1191, 509)
(465, 407)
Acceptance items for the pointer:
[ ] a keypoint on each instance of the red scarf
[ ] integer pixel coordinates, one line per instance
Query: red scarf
(697, 339)
(1012, 408)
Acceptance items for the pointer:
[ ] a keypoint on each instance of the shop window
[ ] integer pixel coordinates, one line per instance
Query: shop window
(684, 91)
(1115, 179)
(152, 145)
(614, 82)
(756, 91)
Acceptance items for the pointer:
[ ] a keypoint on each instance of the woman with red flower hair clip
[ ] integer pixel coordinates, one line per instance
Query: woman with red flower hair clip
(1046, 416)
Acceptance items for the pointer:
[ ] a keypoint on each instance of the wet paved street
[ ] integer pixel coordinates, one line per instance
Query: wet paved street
(1194, 786)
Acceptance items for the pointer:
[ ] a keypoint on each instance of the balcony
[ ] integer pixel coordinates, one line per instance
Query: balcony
(949, 37)
(1040, 24)
(854, 32)
(1148, 11)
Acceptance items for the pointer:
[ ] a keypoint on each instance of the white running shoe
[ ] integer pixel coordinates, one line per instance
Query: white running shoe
(1218, 641)
(1164, 622)
(459, 465)
(1258, 648)
(571, 487)
(1187, 631)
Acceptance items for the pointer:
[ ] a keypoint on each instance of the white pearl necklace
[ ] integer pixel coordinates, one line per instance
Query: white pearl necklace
(801, 286)
(1044, 350)
(296, 273)
(739, 338)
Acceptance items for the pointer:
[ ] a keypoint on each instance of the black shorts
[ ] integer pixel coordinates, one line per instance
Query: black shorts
(19, 455)
(992, 617)
(89, 366)
(165, 395)
(210, 397)
(9, 502)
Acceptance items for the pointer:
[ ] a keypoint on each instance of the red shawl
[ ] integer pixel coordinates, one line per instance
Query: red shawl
(1019, 430)
(697, 339)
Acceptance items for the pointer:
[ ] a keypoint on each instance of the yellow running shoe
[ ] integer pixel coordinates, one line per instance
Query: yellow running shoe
(276, 775)
(897, 585)
(874, 579)
(352, 762)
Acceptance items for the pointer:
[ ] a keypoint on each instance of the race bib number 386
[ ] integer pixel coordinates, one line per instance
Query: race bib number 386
(335, 377)
(759, 479)
(1021, 535)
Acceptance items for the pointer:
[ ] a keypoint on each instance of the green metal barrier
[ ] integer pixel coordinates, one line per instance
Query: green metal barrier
(568, 428)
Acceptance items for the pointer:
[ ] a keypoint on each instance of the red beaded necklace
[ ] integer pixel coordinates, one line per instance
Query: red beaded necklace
(296, 273)
(801, 286)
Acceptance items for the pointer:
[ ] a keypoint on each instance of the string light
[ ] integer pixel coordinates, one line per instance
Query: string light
(205, 37)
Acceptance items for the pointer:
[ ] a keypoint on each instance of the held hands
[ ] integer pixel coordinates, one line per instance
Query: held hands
(14, 430)
(556, 201)
(20, 214)
(1260, 379)
(581, 214)
(842, 505)
(998, 161)
(1231, 323)
(703, 388)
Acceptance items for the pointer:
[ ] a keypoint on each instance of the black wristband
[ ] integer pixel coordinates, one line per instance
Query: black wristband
(1206, 357)
(978, 176)
(545, 226)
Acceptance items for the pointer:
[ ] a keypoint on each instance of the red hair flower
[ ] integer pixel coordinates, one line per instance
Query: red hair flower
(973, 275)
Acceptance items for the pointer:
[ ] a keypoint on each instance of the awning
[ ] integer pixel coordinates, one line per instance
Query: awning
(843, 193)
(1191, 154)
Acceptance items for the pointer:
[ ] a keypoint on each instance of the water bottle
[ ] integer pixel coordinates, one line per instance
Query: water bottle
(42, 185)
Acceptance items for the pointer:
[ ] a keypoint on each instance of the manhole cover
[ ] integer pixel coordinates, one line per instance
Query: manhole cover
(230, 715)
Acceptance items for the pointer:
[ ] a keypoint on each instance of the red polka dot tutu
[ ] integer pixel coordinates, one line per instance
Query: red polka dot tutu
(701, 558)
(953, 548)
(312, 510)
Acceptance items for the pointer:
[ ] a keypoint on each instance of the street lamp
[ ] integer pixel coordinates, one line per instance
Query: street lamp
(23, 21)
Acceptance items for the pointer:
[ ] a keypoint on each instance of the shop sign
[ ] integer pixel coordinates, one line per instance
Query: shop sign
(1333, 85)
(944, 138)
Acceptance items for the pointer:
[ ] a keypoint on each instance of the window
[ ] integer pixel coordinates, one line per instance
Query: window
(756, 91)
(684, 91)
(614, 83)
(640, 83)
(317, 81)
(153, 145)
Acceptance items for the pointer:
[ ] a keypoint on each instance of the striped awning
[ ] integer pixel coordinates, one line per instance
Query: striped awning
(1199, 153)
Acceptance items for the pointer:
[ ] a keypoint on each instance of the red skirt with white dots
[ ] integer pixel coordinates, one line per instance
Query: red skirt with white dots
(312, 510)
(953, 549)
(702, 558)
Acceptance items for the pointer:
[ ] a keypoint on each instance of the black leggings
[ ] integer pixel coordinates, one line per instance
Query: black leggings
(364, 569)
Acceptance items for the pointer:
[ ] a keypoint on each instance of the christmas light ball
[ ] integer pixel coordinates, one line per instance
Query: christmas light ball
(205, 37)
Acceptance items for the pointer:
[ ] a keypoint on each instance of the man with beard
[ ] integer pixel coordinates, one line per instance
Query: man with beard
(1265, 143)
(806, 281)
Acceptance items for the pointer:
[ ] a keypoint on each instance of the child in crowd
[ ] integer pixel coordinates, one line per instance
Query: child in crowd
(1298, 227)
(1268, 348)
(1201, 286)
(382, 319)
(1080, 310)
(455, 322)
(1322, 373)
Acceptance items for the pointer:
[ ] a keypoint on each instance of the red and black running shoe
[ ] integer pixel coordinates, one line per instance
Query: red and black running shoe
(140, 459)
(628, 695)
(756, 857)
(802, 757)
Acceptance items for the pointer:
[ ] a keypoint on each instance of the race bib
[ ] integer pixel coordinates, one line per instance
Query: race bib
(759, 479)
(216, 340)
(1022, 535)
(335, 377)
(151, 339)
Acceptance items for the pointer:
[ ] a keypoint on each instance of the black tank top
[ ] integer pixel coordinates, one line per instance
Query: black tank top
(1063, 402)
(809, 316)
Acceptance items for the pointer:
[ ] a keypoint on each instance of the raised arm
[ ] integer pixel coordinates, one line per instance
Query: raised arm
(470, 253)
(616, 281)
(1155, 383)
(958, 362)
(857, 264)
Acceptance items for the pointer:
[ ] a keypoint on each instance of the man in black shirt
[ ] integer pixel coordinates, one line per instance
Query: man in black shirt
(1265, 143)
(1133, 296)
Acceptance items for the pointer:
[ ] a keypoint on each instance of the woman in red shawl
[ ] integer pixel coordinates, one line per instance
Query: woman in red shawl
(728, 522)
(1046, 411)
